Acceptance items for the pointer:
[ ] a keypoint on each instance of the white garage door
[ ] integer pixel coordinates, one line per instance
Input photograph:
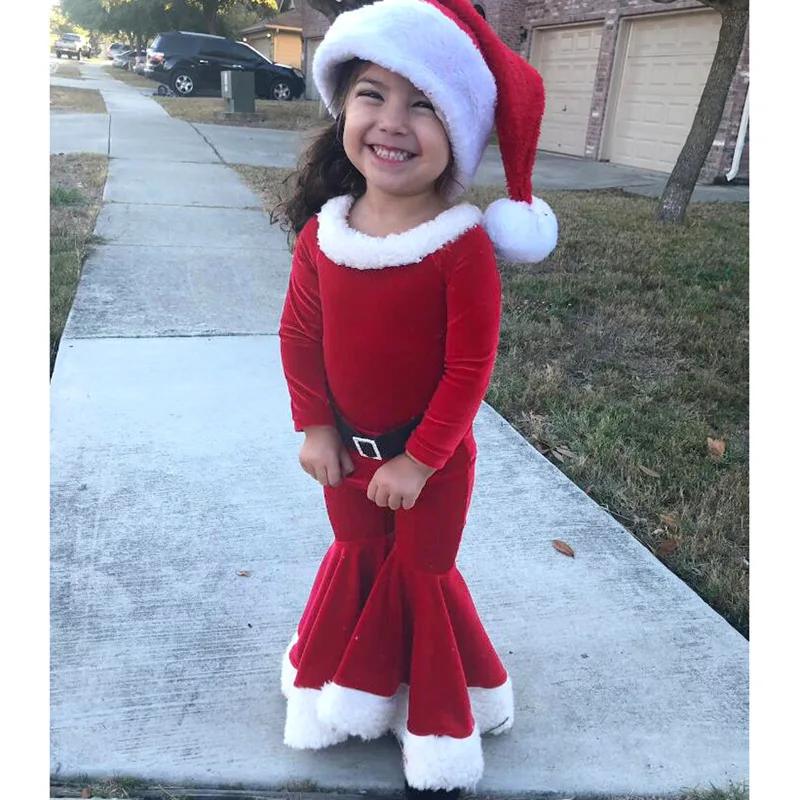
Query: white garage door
(567, 61)
(665, 67)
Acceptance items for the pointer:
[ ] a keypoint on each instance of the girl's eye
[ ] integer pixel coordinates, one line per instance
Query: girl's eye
(424, 104)
(370, 93)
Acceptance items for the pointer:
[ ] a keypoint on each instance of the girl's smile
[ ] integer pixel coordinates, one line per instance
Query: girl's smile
(391, 154)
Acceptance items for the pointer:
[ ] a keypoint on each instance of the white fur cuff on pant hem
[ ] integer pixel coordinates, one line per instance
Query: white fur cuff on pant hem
(355, 712)
(303, 730)
(442, 762)
(493, 709)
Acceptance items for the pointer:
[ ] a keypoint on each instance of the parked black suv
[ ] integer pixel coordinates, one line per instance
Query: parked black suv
(188, 62)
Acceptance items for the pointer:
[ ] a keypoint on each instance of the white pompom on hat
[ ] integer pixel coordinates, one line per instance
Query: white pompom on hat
(475, 82)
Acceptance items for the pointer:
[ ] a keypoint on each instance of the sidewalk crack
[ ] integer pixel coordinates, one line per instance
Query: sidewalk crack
(216, 152)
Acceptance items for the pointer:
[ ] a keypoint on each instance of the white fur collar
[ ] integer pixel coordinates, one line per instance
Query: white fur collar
(351, 248)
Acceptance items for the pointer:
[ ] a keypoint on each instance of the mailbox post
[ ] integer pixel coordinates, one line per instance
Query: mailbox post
(239, 89)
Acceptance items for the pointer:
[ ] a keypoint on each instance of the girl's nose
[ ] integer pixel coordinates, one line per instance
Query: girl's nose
(394, 117)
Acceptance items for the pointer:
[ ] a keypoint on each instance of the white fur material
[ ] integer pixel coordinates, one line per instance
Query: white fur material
(288, 672)
(303, 730)
(520, 231)
(351, 248)
(436, 762)
(416, 40)
(355, 712)
(442, 762)
(493, 709)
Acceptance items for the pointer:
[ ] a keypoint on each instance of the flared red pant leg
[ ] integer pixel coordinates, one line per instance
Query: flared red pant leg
(414, 658)
(363, 536)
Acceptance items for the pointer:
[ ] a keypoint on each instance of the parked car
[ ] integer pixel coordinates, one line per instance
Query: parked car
(72, 45)
(115, 49)
(126, 59)
(139, 63)
(188, 62)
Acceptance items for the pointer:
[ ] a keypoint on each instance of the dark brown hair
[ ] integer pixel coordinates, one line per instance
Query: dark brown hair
(324, 170)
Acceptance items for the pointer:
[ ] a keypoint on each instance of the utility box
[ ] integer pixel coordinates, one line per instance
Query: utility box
(239, 89)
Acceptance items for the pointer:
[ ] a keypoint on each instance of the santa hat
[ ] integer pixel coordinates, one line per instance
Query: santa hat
(475, 82)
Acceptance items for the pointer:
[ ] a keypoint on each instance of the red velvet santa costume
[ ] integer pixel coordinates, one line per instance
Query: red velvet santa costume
(390, 640)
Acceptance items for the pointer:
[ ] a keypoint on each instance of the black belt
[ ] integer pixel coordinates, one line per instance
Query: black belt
(381, 448)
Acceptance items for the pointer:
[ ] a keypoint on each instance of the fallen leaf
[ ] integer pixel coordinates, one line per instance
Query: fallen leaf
(667, 547)
(87, 792)
(244, 573)
(716, 448)
(557, 455)
(564, 548)
(647, 471)
(669, 520)
(589, 489)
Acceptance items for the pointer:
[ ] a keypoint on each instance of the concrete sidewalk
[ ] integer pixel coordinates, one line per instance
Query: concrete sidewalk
(174, 466)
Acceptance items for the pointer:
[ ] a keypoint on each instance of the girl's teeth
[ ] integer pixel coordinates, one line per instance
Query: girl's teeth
(392, 155)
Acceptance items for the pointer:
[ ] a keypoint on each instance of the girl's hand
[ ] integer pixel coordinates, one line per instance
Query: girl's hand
(398, 483)
(324, 456)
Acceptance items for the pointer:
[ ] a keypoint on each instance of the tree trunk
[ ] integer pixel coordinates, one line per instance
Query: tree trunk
(210, 9)
(686, 171)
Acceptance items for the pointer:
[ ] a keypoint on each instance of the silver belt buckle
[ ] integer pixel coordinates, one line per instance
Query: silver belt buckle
(358, 441)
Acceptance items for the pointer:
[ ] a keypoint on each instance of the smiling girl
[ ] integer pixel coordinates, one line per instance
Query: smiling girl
(388, 339)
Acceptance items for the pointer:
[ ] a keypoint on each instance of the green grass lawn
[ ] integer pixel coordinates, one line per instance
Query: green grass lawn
(76, 191)
(621, 357)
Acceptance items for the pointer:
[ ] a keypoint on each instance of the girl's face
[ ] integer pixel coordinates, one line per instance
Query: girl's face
(392, 135)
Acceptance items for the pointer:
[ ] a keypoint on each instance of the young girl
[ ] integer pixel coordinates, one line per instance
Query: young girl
(388, 339)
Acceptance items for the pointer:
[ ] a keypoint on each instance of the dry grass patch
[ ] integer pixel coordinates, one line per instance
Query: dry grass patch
(124, 787)
(130, 78)
(296, 115)
(76, 192)
(269, 182)
(69, 70)
(620, 357)
(86, 101)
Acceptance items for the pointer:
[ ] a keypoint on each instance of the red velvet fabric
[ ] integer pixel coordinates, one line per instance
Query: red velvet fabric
(395, 343)
(389, 605)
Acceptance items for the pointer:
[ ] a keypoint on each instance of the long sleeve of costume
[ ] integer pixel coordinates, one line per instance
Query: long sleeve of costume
(473, 301)
(301, 338)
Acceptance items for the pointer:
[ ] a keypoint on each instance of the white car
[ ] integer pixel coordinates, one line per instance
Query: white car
(72, 45)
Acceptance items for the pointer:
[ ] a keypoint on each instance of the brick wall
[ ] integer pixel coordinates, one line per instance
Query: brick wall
(721, 156)
(543, 13)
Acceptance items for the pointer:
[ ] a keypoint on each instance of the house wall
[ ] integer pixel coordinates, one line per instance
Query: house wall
(315, 23)
(514, 21)
(544, 13)
(261, 43)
